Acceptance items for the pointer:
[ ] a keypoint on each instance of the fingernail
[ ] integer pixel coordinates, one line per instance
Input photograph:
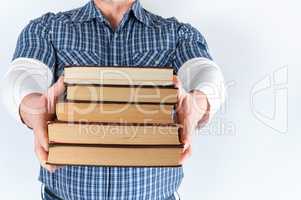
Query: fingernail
(45, 146)
(51, 169)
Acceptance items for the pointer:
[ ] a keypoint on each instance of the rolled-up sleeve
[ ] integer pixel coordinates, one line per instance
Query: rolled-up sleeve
(190, 44)
(196, 69)
(31, 70)
(35, 42)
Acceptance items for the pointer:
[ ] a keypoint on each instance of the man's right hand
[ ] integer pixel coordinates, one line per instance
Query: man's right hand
(36, 110)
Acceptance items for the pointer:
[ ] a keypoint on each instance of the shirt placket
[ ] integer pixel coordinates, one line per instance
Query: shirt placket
(114, 49)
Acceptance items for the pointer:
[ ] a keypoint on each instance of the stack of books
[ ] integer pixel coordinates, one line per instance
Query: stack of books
(116, 116)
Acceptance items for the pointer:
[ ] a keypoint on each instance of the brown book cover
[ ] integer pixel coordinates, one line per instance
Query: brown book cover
(82, 111)
(122, 93)
(115, 155)
(118, 75)
(110, 133)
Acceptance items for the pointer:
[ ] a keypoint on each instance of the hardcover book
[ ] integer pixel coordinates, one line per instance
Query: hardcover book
(122, 155)
(82, 111)
(110, 133)
(122, 93)
(119, 75)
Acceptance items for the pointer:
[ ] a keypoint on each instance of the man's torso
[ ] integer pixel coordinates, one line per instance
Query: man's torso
(80, 41)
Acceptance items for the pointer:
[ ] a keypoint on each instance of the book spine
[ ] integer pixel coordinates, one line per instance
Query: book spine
(113, 123)
(52, 145)
(131, 67)
(132, 166)
(117, 102)
(123, 86)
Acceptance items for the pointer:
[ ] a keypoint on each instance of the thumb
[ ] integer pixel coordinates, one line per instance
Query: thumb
(59, 86)
(41, 135)
(176, 81)
(56, 90)
(181, 91)
(178, 84)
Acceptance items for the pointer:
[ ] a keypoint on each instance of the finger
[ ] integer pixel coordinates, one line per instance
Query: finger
(176, 81)
(56, 167)
(42, 156)
(41, 135)
(181, 118)
(54, 92)
(178, 84)
(204, 120)
(186, 141)
(185, 133)
(50, 101)
(185, 155)
(59, 86)
(181, 93)
(52, 168)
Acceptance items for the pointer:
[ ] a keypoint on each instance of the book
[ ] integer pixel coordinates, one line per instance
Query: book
(118, 75)
(122, 93)
(118, 155)
(82, 111)
(110, 133)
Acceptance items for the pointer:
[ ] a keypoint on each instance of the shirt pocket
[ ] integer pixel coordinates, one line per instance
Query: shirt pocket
(76, 57)
(154, 58)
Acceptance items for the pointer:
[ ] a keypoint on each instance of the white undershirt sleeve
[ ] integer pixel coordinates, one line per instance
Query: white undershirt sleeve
(204, 75)
(24, 77)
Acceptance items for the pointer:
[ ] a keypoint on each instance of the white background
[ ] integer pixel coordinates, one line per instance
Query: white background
(238, 156)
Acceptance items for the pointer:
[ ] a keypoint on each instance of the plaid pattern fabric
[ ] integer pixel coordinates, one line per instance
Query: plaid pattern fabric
(84, 37)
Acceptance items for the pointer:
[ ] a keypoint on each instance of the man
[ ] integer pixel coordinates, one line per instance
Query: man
(109, 33)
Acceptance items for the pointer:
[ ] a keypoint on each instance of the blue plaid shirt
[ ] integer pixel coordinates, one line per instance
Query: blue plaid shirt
(84, 37)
